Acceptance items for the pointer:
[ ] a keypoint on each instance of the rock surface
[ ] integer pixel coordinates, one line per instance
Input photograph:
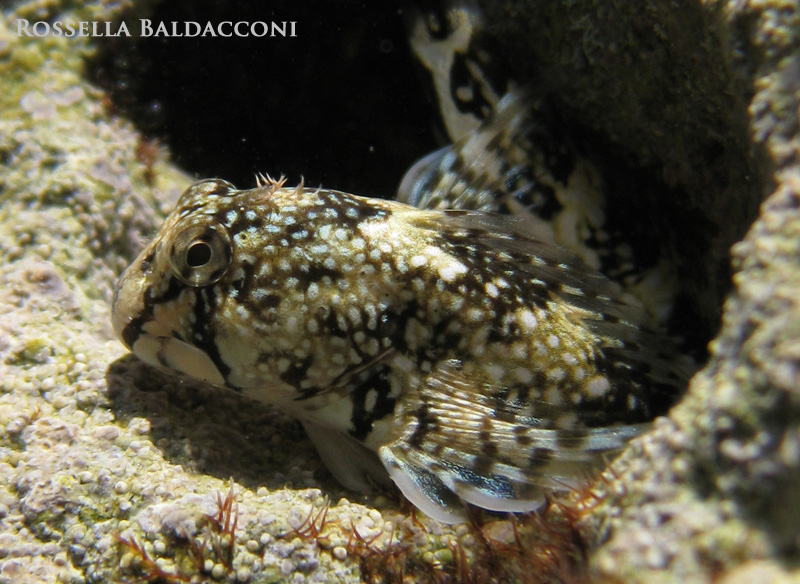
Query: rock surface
(111, 471)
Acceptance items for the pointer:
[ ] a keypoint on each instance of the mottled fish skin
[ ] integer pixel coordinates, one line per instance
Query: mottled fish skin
(479, 363)
(511, 154)
(439, 345)
(448, 40)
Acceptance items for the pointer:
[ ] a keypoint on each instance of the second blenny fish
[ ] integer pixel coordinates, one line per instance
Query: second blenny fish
(448, 350)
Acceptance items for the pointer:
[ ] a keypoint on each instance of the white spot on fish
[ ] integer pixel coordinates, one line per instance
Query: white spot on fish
(552, 396)
(569, 359)
(370, 400)
(597, 386)
(523, 375)
(418, 261)
(451, 270)
(527, 321)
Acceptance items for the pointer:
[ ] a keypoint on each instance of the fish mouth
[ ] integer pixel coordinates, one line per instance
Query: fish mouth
(130, 315)
(176, 356)
(125, 305)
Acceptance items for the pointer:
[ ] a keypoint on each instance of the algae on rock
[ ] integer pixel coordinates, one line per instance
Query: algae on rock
(697, 101)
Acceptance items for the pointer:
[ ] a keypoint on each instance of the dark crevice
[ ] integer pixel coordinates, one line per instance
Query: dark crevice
(341, 104)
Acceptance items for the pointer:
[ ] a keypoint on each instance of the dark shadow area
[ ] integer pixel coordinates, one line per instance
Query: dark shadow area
(665, 118)
(216, 431)
(339, 104)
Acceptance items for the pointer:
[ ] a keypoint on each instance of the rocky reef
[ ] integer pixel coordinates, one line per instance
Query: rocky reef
(110, 471)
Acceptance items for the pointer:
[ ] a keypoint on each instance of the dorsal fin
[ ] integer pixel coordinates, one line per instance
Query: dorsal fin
(478, 170)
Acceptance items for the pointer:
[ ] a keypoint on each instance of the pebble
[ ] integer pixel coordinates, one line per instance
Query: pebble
(142, 426)
(339, 552)
(444, 555)
(218, 571)
(368, 522)
(287, 567)
(15, 426)
(109, 433)
(60, 401)
(166, 565)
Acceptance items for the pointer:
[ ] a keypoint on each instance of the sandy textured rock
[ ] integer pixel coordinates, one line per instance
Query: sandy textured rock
(707, 95)
(110, 471)
(698, 99)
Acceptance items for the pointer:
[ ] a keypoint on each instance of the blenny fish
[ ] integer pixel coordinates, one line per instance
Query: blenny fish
(428, 341)
(447, 349)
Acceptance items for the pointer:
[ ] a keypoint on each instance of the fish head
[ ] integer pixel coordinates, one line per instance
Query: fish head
(154, 310)
(251, 289)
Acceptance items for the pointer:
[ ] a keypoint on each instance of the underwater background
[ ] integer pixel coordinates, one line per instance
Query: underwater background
(113, 472)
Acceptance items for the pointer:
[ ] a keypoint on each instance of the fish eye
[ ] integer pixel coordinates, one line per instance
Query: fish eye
(200, 254)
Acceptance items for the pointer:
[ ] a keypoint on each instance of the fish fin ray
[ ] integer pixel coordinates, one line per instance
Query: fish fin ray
(421, 486)
(350, 462)
(629, 334)
(455, 433)
(480, 170)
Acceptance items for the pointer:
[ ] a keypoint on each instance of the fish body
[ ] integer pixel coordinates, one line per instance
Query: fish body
(478, 363)
(507, 127)
(446, 341)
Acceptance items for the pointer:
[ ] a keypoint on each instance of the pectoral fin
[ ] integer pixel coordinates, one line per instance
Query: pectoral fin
(421, 486)
(457, 438)
(350, 462)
